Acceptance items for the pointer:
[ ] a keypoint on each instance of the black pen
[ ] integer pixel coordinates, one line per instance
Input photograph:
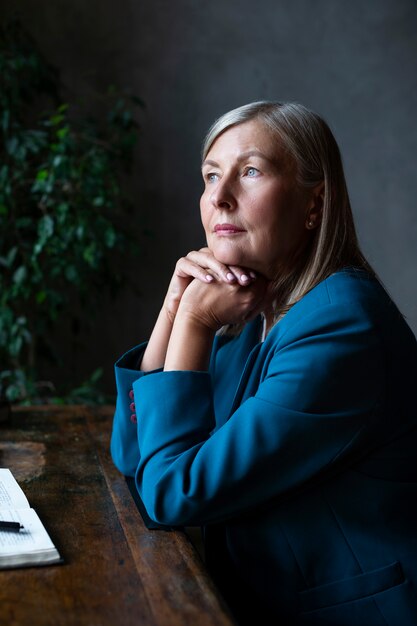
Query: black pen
(13, 526)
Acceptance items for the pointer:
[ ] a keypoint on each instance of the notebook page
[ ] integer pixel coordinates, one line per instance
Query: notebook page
(11, 495)
(32, 538)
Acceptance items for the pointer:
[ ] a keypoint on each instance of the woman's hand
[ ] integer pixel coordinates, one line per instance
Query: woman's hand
(199, 267)
(202, 266)
(219, 303)
(203, 309)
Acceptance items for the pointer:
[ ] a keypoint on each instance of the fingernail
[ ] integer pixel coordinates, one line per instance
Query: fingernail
(230, 276)
(209, 278)
(244, 278)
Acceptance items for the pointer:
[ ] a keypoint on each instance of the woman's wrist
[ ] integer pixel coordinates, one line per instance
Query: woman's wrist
(154, 356)
(170, 309)
(190, 344)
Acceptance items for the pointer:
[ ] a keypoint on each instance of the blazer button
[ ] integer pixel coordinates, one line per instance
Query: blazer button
(133, 418)
(132, 407)
(131, 394)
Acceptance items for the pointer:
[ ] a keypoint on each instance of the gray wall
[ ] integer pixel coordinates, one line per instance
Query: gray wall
(355, 62)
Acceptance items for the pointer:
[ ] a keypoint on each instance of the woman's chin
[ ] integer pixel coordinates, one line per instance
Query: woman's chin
(231, 259)
(229, 256)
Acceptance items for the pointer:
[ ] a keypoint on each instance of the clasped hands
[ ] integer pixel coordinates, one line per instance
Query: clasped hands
(213, 294)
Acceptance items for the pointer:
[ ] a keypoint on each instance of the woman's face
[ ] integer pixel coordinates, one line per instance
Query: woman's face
(253, 211)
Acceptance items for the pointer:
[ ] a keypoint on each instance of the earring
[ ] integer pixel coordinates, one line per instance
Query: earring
(310, 224)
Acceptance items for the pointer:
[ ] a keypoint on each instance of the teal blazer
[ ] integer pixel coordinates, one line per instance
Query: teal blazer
(297, 455)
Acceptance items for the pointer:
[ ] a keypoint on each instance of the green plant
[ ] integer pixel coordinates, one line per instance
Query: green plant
(60, 205)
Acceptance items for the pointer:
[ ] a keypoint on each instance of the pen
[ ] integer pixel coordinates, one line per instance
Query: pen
(13, 526)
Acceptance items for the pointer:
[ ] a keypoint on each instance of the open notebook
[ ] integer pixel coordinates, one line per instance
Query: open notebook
(31, 545)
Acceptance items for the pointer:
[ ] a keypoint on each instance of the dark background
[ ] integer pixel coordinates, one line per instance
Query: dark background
(352, 61)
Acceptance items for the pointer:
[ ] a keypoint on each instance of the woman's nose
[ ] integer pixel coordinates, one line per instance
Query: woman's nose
(223, 197)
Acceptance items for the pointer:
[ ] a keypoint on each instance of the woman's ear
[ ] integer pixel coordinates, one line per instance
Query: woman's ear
(315, 208)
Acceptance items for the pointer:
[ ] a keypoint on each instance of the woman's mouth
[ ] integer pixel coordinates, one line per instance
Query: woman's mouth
(227, 229)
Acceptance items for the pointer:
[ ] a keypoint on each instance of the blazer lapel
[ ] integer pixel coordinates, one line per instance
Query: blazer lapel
(244, 379)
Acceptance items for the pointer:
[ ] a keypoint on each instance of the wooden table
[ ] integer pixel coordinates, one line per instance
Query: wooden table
(116, 571)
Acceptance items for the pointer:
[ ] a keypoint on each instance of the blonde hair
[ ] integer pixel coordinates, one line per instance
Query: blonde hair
(311, 144)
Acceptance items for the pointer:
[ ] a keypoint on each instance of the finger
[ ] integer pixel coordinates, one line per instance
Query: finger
(244, 276)
(226, 273)
(231, 273)
(186, 268)
(218, 270)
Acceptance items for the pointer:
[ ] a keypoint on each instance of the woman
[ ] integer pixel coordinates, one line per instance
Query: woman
(290, 435)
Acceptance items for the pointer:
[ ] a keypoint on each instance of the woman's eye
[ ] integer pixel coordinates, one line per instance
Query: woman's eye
(211, 177)
(251, 172)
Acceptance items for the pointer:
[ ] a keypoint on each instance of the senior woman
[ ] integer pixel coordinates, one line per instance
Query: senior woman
(275, 403)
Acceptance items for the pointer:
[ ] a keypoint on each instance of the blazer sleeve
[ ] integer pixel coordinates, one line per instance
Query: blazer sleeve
(314, 410)
(124, 446)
